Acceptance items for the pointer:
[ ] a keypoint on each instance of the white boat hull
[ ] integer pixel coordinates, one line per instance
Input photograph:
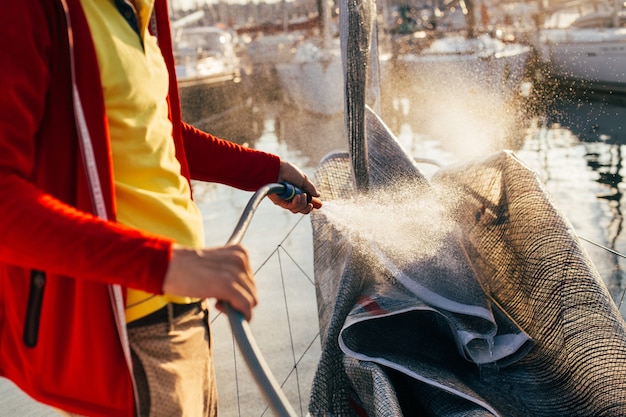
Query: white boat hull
(501, 72)
(315, 84)
(596, 57)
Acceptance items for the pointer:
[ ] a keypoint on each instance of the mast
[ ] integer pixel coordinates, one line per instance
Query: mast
(324, 8)
(470, 18)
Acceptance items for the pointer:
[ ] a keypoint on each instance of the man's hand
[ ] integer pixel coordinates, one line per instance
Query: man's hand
(299, 204)
(222, 272)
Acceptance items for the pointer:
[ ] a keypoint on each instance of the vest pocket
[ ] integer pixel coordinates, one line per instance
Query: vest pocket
(33, 309)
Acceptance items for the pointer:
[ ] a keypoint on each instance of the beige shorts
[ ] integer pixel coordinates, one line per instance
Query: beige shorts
(173, 363)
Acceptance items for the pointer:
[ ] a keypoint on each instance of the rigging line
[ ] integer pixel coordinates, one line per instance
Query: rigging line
(279, 246)
(266, 260)
(297, 265)
(295, 366)
(219, 313)
(293, 348)
(291, 230)
(614, 252)
(296, 362)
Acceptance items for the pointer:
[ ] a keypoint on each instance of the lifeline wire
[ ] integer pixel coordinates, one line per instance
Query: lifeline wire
(614, 252)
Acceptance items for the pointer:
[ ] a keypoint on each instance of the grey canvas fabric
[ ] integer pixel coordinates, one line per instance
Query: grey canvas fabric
(505, 316)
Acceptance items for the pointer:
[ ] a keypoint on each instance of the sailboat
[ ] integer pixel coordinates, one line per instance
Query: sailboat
(586, 45)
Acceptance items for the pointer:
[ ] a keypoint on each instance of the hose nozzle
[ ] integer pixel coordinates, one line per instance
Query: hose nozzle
(291, 191)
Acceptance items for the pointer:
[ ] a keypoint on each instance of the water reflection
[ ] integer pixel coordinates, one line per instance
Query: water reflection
(592, 117)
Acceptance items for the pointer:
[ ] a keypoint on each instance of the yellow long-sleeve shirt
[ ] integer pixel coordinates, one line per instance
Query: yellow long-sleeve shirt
(151, 194)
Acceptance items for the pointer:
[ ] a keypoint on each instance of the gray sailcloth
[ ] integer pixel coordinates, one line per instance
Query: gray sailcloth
(502, 315)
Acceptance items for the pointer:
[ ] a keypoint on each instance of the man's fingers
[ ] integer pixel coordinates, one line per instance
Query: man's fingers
(223, 273)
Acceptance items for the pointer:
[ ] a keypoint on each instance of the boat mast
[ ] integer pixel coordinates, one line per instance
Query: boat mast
(324, 10)
(470, 17)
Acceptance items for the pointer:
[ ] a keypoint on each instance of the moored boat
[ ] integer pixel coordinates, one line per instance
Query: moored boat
(590, 51)
(205, 55)
(312, 80)
(482, 62)
(447, 47)
(209, 71)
